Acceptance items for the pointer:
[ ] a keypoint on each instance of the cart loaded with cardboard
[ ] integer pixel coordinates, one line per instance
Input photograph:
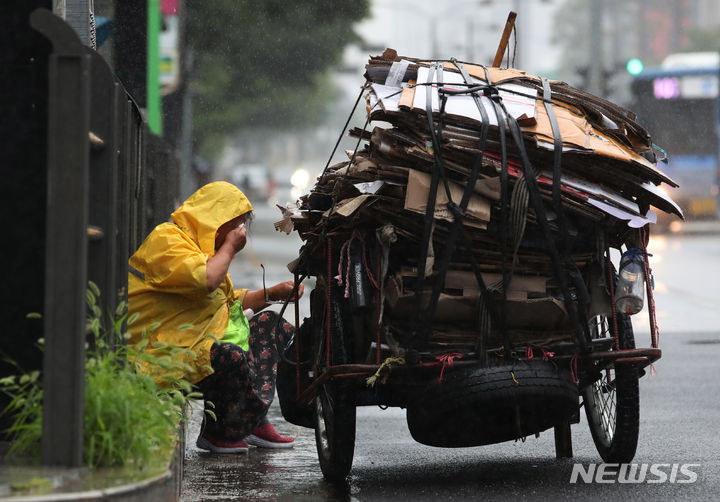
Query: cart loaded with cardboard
(476, 260)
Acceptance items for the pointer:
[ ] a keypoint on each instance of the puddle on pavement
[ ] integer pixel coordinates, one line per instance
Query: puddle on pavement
(27, 481)
(261, 474)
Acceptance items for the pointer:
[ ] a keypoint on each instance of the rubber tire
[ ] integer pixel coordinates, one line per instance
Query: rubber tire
(479, 406)
(623, 444)
(335, 420)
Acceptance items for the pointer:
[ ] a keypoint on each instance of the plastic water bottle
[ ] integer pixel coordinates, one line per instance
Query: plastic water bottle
(630, 294)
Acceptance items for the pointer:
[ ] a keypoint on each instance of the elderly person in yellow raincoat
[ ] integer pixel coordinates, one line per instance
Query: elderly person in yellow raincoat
(179, 278)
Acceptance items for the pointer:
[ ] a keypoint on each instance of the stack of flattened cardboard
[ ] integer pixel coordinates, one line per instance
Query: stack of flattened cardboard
(608, 185)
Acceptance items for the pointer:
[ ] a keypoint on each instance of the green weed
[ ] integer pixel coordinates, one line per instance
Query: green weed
(130, 420)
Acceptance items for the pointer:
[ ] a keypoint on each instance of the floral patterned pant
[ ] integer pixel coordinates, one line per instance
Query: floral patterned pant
(243, 384)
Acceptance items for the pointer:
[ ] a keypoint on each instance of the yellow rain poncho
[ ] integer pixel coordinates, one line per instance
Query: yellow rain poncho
(167, 283)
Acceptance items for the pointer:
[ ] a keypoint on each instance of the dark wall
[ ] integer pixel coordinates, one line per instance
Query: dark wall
(23, 150)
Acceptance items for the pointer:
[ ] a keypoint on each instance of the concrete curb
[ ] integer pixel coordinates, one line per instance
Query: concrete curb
(165, 487)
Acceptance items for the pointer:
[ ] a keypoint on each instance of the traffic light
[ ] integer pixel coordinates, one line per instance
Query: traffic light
(634, 66)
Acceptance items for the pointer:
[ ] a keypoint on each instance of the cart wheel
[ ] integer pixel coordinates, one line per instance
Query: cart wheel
(612, 402)
(335, 430)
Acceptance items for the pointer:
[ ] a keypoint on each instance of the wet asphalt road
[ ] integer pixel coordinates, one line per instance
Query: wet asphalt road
(680, 417)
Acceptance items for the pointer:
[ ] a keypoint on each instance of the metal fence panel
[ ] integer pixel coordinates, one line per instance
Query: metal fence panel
(104, 187)
(66, 245)
(110, 181)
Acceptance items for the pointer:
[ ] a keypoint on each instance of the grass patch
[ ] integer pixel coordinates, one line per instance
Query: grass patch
(130, 420)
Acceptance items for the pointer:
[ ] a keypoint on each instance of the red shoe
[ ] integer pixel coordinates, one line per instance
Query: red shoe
(266, 436)
(216, 446)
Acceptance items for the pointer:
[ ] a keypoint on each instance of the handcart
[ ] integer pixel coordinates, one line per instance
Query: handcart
(476, 266)
(342, 358)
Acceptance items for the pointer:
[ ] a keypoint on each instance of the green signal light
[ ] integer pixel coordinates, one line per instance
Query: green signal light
(634, 66)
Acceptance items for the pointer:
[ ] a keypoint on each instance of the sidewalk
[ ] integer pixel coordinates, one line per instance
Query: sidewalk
(260, 474)
(48, 484)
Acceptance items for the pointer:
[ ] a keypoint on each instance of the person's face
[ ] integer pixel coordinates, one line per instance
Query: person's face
(227, 227)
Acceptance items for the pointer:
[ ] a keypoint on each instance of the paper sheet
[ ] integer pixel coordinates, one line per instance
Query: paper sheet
(588, 187)
(463, 105)
(388, 97)
(370, 187)
(634, 220)
(347, 207)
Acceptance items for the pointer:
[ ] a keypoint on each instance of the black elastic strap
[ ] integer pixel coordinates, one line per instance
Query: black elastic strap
(437, 135)
(429, 210)
(574, 272)
(504, 209)
(557, 151)
(492, 93)
(581, 328)
(486, 297)
(458, 216)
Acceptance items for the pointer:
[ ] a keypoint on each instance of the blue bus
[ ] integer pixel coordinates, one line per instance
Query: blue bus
(678, 104)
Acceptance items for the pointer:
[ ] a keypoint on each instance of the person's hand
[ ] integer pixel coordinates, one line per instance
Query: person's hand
(229, 239)
(236, 238)
(282, 290)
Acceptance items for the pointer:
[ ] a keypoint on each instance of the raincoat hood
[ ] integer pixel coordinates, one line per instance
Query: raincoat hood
(207, 209)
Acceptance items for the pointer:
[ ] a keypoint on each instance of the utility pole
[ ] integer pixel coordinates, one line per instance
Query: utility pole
(517, 58)
(642, 31)
(434, 38)
(595, 62)
(717, 140)
(59, 8)
(470, 41)
(79, 15)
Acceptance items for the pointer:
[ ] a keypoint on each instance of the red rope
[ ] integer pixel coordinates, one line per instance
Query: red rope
(344, 250)
(644, 237)
(345, 257)
(328, 318)
(574, 368)
(378, 307)
(447, 360)
(297, 338)
(364, 260)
